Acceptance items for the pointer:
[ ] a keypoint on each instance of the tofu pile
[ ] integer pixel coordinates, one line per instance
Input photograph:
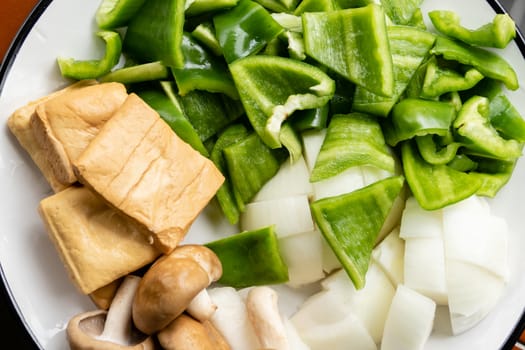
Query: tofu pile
(126, 187)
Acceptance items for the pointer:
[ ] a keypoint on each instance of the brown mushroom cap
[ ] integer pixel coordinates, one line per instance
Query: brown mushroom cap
(171, 283)
(186, 333)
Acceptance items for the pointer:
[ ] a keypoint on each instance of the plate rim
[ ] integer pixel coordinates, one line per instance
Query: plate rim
(5, 67)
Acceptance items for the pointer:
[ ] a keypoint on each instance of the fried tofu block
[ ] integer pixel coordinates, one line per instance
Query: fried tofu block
(141, 167)
(19, 123)
(96, 243)
(64, 125)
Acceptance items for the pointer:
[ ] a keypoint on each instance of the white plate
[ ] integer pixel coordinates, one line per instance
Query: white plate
(36, 279)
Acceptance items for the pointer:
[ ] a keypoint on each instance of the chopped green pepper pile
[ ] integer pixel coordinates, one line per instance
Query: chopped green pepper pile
(242, 80)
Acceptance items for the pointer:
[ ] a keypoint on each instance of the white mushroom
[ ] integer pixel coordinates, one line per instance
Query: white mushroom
(263, 312)
(112, 329)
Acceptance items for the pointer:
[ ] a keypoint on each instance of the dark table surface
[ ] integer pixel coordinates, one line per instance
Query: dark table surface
(12, 16)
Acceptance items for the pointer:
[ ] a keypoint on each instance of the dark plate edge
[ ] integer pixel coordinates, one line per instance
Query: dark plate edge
(12, 52)
(5, 67)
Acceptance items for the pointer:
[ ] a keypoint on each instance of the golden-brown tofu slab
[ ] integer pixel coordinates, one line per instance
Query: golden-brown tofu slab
(96, 243)
(19, 123)
(140, 166)
(64, 125)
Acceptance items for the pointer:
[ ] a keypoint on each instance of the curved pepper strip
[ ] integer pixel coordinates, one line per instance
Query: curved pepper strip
(314, 6)
(92, 69)
(478, 136)
(245, 29)
(367, 63)
(113, 14)
(353, 139)
(442, 79)
(496, 34)
(416, 117)
(351, 223)
(463, 163)
(433, 153)
(272, 88)
(199, 7)
(156, 35)
(435, 186)
(205, 34)
(409, 47)
(279, 5)
(202, 71)
(138, 73)
(487, 62)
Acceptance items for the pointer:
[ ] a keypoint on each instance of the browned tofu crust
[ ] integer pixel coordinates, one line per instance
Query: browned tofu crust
(96, 243)
(141, 167)
(19, 123)
(64, 125)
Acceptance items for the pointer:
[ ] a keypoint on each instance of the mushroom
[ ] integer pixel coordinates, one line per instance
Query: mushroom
(171, 284)
(187, 333)
(264, 315)
(111, 329)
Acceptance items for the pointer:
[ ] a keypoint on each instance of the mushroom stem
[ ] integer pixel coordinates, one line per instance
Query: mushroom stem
(201, 307)
(117, 327)
(264, 315)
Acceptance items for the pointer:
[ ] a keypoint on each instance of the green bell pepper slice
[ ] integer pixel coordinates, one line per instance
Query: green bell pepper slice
(315, 6)
(463, 163)
(138, 73)
(92, 69)
(401, 11)
(205, 34)
(367, 63)
(209, 112)
(435, 186)
(226, 196)
(316, 118)
(156, 35)
(434, 153)
(478, 136)
(440, 79)
(250, 165)
(279, 5)
(503, 115)
(353, 139)
(409, 47)
(489, 63)
(245, 29)
(417, 117)
(494, 174)
(351, 223)
(202, 71)
(347, 4)
(272, 88)
(498, 33)
(173, 115)
(112, 14)
(199, 7)
(250, 258)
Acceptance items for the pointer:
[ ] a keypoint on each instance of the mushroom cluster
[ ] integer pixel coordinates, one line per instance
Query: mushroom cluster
(168, 307)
